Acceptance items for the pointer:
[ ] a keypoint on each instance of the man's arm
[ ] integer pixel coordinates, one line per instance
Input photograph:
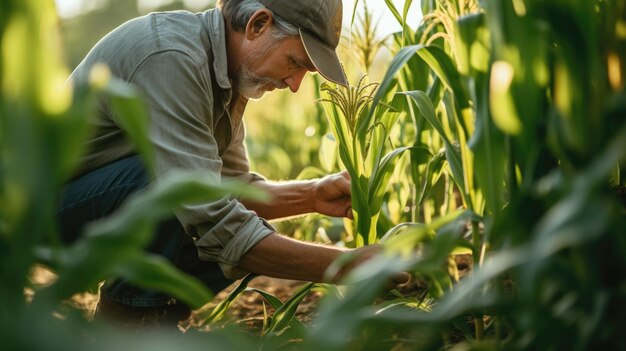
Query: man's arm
(281, 257)
(329, 195)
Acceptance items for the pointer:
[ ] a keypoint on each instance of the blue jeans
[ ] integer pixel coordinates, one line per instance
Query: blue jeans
(98, 194)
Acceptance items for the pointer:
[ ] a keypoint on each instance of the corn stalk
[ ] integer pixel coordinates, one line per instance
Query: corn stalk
(361, 130)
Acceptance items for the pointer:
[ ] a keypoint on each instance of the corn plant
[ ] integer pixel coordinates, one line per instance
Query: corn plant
(511, 110)
(511, 125)
(281, 320)
(345, 320)
(516, 122)
(362, 39)
(361, 131)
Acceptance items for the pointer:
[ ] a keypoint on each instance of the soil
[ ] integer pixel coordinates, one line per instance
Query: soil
(248, 310)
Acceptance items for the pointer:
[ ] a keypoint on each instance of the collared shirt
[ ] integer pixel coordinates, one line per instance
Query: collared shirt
(178, 62)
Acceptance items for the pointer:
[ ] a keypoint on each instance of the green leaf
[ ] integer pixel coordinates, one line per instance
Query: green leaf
(416, 231)
(131, 113)
(405, 28)
(285, 313)
(431, 176)
(157, 273)
(339, 319)
(420, 155)
(407, 236)
(388, 81)
(114, 240)
(356, 3)
(380, 177)
(273, 300)
(488, 144)
(428, 6)
(445, 69)
(394, 11)
(422, 101)
(453, 155)
(340, 130)
(328, 153)
(311, 172)
(217, 313)
(276, 303)
(406, 31)
(473, 44)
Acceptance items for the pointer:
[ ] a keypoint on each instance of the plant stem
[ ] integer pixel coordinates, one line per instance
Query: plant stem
(479, 325)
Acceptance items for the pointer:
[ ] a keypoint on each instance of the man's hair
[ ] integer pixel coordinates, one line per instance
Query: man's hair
(238, 13)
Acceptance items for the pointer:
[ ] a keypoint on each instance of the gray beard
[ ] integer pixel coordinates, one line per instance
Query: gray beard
(251, 85)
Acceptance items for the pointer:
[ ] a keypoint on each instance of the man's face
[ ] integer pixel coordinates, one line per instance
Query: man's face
(272, 64)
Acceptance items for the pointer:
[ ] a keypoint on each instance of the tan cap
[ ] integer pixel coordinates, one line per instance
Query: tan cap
(319, 22)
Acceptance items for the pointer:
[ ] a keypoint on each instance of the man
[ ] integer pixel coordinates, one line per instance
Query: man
(196, 73)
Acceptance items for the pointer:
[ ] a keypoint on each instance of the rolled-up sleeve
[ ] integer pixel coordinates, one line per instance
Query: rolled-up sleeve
(229, 239)
(179, 97)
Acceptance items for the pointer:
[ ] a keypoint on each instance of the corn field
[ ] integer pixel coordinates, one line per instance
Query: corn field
(498, 132)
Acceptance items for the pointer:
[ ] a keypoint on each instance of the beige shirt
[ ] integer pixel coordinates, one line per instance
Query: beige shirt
(178, 62)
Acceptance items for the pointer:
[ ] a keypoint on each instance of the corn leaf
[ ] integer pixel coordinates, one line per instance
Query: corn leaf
(406, 30)
(157, 273)
(381, 175)
(338, 320)
(132, 116)
(488, 142)
(443, 66)
(452, 152)
(110, 242)
(285, 313)
(432, 174)
(216, 313)
(273, 300)
(388, 81)
(276, 303)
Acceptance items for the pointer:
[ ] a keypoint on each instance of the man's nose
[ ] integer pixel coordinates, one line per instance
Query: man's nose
(294, 80)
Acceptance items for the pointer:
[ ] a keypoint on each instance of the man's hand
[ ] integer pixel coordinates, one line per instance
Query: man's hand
(331, 195)
(363, 254)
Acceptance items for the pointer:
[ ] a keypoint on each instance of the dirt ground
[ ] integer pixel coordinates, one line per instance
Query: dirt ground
(248, 310)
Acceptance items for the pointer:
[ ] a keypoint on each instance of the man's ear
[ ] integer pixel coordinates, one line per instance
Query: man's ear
(260, 22)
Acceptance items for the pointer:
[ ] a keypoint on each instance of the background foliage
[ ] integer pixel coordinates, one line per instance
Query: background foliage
(511, 121)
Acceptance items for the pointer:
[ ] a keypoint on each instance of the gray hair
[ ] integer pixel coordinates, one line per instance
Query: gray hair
(238, 13)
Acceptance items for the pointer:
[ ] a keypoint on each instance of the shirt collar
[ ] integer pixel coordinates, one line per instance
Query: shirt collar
(216, 31)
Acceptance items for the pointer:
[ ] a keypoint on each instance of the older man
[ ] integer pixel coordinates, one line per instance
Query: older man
(197, 72)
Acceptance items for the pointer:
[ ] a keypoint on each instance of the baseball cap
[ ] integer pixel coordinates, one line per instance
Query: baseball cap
(319, 23)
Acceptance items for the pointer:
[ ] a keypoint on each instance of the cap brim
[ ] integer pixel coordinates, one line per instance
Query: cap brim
(324, 59)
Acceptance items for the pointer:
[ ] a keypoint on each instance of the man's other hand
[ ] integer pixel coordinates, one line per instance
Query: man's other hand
(331, 195)
(363, 254)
